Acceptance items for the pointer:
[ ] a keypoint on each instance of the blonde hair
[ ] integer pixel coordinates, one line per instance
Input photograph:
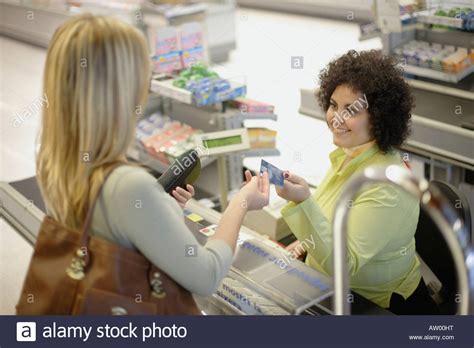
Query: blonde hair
(96, 78)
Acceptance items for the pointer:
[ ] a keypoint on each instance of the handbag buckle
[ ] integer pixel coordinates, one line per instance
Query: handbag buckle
(156, 285)
(118, 311)
(76, 268)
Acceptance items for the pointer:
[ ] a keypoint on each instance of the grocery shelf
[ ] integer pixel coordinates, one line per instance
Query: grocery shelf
(440, 20)
(254, 116)
(438, 75)
(139, 154)
(442, 89)
(178, 11)
(167, 89)
(261, 152)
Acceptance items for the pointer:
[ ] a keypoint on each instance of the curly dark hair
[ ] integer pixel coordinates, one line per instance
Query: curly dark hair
(380, 78)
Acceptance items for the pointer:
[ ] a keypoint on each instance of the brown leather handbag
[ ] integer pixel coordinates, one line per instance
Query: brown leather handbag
(72, 272)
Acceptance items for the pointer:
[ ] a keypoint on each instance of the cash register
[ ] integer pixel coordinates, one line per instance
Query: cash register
(262, 281)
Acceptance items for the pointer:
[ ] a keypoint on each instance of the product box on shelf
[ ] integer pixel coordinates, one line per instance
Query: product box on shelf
(434, 56)
(457, 61)
(192, 44)
(163, 138)
(167, 56)
(446, 18)
(262, 138)
(176, 48)
(198, 85)
(246, 105)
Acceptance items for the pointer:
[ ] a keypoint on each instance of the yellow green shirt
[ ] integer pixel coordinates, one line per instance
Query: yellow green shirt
(382, 223)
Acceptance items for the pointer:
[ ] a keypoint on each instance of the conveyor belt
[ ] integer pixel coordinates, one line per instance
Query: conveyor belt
(29, 188)
(23, 207)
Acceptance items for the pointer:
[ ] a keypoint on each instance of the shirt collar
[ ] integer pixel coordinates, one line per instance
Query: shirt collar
(337, 157)
(355, 151)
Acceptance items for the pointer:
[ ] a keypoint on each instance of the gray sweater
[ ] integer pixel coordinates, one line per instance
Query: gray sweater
(134, 211)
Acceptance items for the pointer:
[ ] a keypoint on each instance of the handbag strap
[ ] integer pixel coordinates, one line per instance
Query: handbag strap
(86, 226)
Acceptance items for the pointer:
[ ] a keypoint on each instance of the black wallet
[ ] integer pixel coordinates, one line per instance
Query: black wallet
(184, 170)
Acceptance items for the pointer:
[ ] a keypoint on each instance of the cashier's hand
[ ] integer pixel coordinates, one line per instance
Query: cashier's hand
(255, 191)
(182, 195)
(294, 189)
(297, 249)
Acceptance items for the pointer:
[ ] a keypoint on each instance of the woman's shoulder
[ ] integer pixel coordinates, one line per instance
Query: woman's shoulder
(128, 179)
(385, 191)
(131, 185)
(387, 158)
(129, 170)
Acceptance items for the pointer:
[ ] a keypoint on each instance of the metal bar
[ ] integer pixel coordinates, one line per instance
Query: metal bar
(223, 185)
(435, 204)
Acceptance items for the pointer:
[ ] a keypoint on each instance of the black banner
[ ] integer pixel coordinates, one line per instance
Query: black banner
(237, 331)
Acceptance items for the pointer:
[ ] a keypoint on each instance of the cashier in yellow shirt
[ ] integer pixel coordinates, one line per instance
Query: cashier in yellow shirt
(367, 104)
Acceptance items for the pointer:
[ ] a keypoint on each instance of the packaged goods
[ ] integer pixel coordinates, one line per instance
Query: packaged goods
(246, 105)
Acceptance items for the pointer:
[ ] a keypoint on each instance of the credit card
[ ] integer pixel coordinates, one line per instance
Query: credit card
(275, 175)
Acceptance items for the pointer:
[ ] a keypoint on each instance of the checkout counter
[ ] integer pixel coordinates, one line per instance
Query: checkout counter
(263, 280)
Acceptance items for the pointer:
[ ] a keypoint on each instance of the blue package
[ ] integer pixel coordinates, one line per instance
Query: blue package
(221, 85)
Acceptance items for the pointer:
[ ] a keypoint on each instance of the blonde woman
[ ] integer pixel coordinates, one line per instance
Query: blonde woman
(96, 77)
